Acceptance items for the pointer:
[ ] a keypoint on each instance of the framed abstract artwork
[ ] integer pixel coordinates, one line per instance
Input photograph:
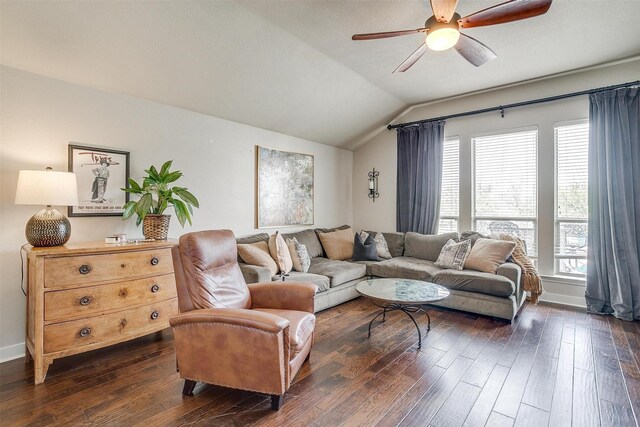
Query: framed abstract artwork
(101, 173)
(284, 188)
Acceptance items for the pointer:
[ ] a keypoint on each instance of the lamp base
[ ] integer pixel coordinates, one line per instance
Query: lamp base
(48, 228)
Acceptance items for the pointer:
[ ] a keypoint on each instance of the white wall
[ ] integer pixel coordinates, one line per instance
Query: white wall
(380, 153)
(40, 116)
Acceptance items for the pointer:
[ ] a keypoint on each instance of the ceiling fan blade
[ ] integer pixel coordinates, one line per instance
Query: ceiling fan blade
(373, 36)
(508, 11)
(443, 10)
(411, 59)
(474, 51)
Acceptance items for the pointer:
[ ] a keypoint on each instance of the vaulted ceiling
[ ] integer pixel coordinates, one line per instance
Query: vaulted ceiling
(291, 66)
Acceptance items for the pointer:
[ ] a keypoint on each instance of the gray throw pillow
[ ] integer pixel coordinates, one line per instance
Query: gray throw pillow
(299, 255)
(453, 255)
(364, 251)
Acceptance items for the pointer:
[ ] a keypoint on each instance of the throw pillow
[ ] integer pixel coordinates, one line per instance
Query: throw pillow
(364, 251)
(338, 244)
(382, 246)
(488, 254)
(257, 254)
(453, 255)
(299, 255)
(280, 252)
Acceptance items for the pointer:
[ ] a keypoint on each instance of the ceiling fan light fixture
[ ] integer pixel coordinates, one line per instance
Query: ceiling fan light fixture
(443, 38)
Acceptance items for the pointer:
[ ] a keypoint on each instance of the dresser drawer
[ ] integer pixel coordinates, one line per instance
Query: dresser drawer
(88, 301)
(88, 269)
(109, 328)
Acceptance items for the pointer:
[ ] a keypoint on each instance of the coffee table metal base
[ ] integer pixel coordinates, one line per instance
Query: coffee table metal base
(406, 309)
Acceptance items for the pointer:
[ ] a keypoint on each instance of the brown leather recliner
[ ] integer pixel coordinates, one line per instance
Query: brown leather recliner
(251, 337)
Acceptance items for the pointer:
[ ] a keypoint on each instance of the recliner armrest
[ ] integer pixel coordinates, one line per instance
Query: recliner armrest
(283, 295)
(233, 316)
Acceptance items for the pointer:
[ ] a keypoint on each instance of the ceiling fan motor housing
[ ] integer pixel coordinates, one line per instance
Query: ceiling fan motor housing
(432, 24)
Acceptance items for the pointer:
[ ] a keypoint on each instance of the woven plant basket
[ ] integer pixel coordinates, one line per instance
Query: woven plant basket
(156, 226)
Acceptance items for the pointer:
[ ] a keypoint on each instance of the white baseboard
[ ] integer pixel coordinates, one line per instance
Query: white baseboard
(563, 299)
(11, 352)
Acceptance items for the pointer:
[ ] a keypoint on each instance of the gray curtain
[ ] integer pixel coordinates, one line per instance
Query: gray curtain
(613, 274)
(419, 177)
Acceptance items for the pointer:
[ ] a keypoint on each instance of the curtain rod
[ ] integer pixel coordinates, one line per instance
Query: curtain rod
(501, 108)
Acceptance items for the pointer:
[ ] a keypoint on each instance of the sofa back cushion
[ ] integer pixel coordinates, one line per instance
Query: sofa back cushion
(395, 242)
(426, 246)
(309, 239)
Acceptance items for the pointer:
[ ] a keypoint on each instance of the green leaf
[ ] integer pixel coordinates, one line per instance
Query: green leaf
(165, 168)
(181, 212)
(144, 205)
(187, 196)
(134, 185)
(173, 176)
(129, 210)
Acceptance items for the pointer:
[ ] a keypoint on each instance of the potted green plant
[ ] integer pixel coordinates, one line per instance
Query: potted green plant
(157, 193)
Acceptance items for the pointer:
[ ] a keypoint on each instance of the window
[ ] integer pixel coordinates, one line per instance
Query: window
(572, 153)
(505, 185)
(450, 186)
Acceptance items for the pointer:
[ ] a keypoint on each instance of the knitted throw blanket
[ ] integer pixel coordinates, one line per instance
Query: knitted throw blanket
(531, 281)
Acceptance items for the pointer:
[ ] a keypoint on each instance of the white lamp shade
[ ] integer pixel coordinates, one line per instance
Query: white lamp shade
(47, 187)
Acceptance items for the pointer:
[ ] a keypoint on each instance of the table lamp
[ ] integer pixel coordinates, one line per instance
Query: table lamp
(47, 187)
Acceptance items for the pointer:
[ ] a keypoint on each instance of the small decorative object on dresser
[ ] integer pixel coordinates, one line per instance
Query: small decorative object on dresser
(90, 295)
(150, 210)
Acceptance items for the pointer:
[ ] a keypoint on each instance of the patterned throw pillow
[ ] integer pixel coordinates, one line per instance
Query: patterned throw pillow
(453, 255)
(299, 255)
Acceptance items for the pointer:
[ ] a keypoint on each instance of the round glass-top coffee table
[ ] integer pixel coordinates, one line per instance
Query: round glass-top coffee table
(406, 295)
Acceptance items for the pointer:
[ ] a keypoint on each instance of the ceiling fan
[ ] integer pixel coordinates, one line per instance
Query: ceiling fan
(443, 28)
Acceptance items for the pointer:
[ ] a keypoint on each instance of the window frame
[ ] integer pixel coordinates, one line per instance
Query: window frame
(456, 218)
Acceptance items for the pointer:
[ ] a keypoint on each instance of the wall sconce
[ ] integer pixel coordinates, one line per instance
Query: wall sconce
(373, 184)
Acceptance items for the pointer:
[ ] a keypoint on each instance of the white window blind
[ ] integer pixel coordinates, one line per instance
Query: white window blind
(505, 185)
(572, 154)
(450, 196)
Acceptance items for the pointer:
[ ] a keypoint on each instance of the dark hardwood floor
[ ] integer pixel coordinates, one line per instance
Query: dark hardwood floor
(553, 366)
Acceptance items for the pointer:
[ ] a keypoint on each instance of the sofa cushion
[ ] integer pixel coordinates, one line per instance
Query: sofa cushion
(309, 239)
(367, 264)
(331, 230)
(338, 245)
(405, 268)
(395, 242)
(322, 282)
(426, 246)
(475, 281)
(338, 272)
(473, 236)
(364, 250)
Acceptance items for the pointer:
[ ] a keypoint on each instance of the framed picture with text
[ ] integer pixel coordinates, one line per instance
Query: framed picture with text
(101, 173)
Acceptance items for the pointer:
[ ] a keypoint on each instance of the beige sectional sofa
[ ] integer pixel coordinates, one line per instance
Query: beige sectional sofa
(413, 257)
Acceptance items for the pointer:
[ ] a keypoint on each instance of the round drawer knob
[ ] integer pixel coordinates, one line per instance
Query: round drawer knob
(85, 300)
(85, 332)
(155, 288)
(123, 322)
(155, 315)
(84, 269)
(154, 261)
